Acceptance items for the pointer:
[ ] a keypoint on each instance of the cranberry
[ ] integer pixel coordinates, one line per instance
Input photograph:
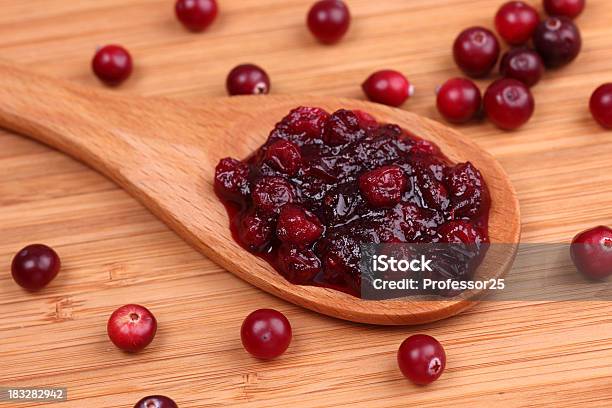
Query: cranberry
(307, 121)
(459, 232)
(591, 251)
(342, 127)
(515, 22)
(421, 358)
(231, 179)
(432, 192)
(156, 401)
(387, 87)
(247, 79)
(112, 64)
(366, 120)
(476, 51)
(255, 231)
(196, 15)
(459, 100)
(284, 156)
(271, 193)
(467, 190)
(558, 41)
(266, 333)
(341, 258)
(425, 147)
(383, 187)
(297, 226)
(132, 328)
(601, 105)
(329, 20)
(508, 103)
(35, 266)
(567, 8)
(522, 64)
(299, 266)
(412, 220)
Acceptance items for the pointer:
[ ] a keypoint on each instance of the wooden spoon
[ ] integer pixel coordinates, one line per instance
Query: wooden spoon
(164, 153)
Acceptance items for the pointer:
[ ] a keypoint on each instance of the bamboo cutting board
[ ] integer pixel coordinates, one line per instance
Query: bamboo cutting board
(510, 354)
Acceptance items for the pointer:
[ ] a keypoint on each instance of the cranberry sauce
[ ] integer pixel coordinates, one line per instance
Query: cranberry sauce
(323, 185)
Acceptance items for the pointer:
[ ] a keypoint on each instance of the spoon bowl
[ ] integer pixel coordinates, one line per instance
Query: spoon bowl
(164, 153)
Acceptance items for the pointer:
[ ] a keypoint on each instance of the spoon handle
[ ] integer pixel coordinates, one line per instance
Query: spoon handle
(57, 113)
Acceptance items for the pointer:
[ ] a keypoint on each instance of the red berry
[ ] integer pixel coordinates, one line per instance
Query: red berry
(366, 121)
(297, 226)
(411, 218)
(383, 187)
(132, 328)
(567, 8)
(467, 190)
(196, 15)
(421, 359)
(266, 333)
(387, 87)
(112, 64)
(247, 79)
(271, 193)
(601, 105)
(558, 41)
(35, 266)
(476, 51)
(342, 127)
(459, 232)
(515, 22)
(299, 266)
(255, 231)
(459, 100)
(156, 401)
(431, 191)
(508, 103)
(284, 156)
(307, 121)
(231, 179)
(591, 251)
(522, 64)
(424, 147)
(329, 20)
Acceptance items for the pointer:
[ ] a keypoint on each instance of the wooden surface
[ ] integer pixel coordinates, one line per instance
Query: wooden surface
(164, 153)
(511, 354)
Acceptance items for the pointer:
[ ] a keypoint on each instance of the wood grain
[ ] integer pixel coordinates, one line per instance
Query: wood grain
(507, 354)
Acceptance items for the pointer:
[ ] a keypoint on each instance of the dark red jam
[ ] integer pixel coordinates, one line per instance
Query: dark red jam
(325, 184)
